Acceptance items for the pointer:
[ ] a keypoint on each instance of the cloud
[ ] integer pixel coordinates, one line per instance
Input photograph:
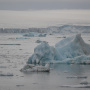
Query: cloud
(45, 1)
(43, 4)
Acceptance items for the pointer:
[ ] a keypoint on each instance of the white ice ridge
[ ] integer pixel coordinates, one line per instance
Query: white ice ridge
(69, 50)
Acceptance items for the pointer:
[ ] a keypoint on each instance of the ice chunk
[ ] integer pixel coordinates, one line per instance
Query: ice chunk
(77, 77)
(84, 82)
(72, 47)
(19, 85)
(3, 67)
(29, 34)
(6, 74)
(21, 38)
(38, 41)
(42, 53)
(35, 68)
(69, 50)
(33, 34)
(42, 35)
(76, 86)
(10, 44)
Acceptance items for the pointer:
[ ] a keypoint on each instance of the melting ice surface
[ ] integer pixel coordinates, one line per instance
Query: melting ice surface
(69, 50)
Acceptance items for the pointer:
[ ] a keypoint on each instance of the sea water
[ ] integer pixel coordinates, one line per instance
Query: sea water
(14, 54)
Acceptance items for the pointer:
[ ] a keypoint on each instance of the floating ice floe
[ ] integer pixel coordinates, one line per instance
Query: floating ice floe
(71, 50)
(3, 67)
(33, 34)
(77, 77)
(19, 85)
(10, 44)
(42, 35)
(76, 86)
(22, 38)
(6, 74)
(38, 41)
(35, 68)
(85, 82)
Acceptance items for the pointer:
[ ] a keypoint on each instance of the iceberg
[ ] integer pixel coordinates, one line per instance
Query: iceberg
(69, 50)
(38, 41)
(33, 34)
(42, 53)
(42, 35)
(73, 46)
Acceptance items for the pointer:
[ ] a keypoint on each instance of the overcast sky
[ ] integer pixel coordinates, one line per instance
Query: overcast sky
(43, 4)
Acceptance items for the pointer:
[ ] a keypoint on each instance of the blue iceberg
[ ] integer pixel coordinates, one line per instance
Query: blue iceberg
(42, 53)
(34, 34)
(69, 50)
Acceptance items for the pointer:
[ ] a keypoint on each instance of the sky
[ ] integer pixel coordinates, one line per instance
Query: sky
(43, 13)
(43, 4)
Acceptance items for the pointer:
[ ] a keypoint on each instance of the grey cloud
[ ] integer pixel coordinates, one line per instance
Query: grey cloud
(43, 4)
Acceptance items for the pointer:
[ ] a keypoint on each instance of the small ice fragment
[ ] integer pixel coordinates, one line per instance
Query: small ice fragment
(77, 77)
(85, 82)
(19, 85)
(37, 68)
(3, 67)
(38, 41)
(65, 71)
(76, 86)
(6, 74)
(10, 44)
